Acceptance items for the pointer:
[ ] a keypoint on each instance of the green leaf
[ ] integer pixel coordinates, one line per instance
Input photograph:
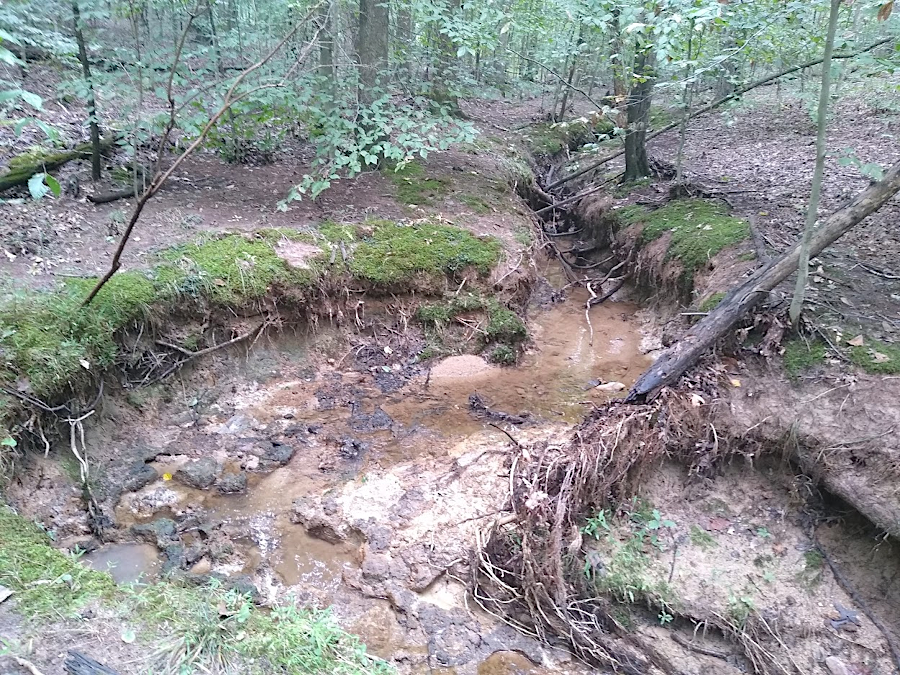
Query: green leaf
(31, 99)
(9, 442)
(7, 56)
(36, 186)
(54, 185)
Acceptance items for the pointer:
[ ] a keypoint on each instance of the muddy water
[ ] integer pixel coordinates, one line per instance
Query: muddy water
(340, 407)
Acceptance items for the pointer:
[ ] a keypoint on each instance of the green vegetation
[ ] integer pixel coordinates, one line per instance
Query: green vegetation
(740, 607)
(48, 341)
(230, 270)
(397, 253)
(711, 302)
(504, 328)
(701, 538)
(800, 355)
(413, 187)
(47, 583)
(195, 628)
(550, 139)
(477, 204)
(813, 568)
(877, 357)
(700, 229)
(503, 355)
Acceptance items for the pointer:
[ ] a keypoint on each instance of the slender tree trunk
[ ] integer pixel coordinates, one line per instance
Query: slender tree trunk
(620, 91)
(637, 165)
(372, 47)
(686, 106)
(821, 140)
(570, 81)
(93, 123)
(326, 50)
(441, 90)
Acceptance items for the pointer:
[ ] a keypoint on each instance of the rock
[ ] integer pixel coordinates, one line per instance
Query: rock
(139, 475)
(244, 585)
(238, 424)
(277, 454)
(611, 387)
(376, 567)
(376, 535)
(161, 532)
(835, 666)
(200, 474)
(174, 558)
(202, 566)
(232, 483)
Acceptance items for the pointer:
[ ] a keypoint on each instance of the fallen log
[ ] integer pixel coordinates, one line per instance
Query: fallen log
(715, 104)
(79, 664)
(739, 301)
(24, 167)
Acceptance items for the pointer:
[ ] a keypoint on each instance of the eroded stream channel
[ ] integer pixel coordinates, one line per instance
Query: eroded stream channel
(340, 470)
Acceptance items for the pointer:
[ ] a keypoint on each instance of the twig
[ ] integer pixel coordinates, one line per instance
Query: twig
(208, 350)
(508, 435)
(27, 665)
(587, 310)
(706, 651)
(575, 198)
(844, 583)
(758, 241)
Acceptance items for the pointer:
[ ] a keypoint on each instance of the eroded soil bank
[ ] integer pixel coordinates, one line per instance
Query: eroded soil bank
(347, 466)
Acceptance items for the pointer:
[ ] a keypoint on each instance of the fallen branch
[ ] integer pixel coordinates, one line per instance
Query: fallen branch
(715, 104)
(684, 353)
(706, 651)
(20, 172)
(580, 195)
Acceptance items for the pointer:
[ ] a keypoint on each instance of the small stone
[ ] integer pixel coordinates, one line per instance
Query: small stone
(140, 475)
(202, 566)
(161, 532)
(278, 454)
(232, 483)
(200, 474)
(611, 386)
(376, 567)
(835, 666)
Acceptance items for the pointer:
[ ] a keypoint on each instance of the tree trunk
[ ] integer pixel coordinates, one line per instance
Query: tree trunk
(372, 48)
(715, 104)
(812, 212)
(96, 157)
(638, 112)
(326, 50)
(570, 81)
(441, 91)
(684, 353)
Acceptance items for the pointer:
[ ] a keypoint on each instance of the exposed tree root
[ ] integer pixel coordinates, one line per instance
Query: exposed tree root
(529, 566)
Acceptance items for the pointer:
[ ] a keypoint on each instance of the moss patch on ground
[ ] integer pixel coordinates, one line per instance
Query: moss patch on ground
(549, 139)
(877, 357)
(198, 629)
(800, 355)
(396, 253)
(502, 327)
(711, 302)
(414, 187)
(699, 228)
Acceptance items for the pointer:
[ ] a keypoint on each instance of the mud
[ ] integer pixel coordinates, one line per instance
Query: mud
(337, 469)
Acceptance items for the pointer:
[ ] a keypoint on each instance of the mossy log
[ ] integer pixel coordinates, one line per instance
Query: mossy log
(24, 166)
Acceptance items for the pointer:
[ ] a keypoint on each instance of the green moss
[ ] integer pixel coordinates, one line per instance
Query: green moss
(413, 187)
(232, 269)
(711, 302)
(504, 325)
(660, 117)
(442, 312)
(701, 538)
(625, 189)
(877, 357)
(699, 229)
(47, 582)
(800, 356)
(550, 139)
(477, 204)
(397, 253)
(503, 355)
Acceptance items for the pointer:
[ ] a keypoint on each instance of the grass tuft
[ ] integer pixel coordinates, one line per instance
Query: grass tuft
(413, 187)
(799, 356)
(47, 582)
(876, 357)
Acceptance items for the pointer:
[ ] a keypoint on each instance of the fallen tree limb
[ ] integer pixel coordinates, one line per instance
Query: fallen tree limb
(25, 168)
(684, 353)
(715, 104)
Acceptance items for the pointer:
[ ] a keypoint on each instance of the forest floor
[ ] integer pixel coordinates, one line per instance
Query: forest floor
(390, 477)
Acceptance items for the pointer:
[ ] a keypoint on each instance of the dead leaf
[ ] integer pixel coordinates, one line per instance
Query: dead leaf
(735, 382)
(885, 12)
(219, 282)
(878, 357)
(846, 302)
(697, 400)
(718, 525)
(388, 350)
(858, 341)
(5, 593)
(85, 364)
